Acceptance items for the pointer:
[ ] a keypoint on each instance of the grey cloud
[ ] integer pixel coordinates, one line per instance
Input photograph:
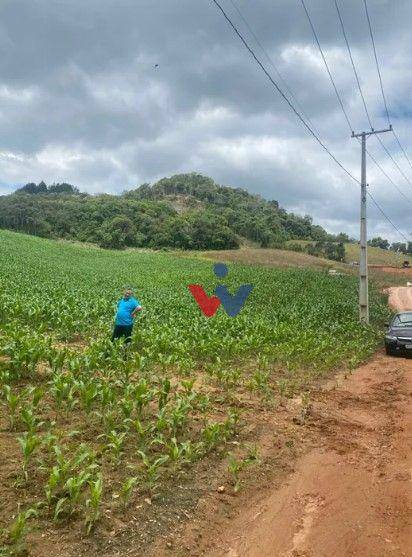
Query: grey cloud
(81, 99)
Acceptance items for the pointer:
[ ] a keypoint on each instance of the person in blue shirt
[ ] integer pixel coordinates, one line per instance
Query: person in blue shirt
(127, 309)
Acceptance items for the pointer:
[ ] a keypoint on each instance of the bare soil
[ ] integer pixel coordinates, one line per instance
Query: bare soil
(348, 490)
(400, 298)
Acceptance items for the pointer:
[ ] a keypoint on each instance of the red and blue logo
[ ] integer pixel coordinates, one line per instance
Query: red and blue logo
(232, 303)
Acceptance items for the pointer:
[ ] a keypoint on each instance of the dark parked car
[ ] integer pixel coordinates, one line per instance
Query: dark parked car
(398, 338)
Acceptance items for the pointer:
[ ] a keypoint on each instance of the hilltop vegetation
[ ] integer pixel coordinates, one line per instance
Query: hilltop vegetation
(187, 211)
(89, 434)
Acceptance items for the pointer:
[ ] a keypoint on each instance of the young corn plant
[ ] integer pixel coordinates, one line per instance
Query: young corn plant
(5, 376)
(283, 387)
(235, 467)
(187, 385)
(175, 452)
(49, 441)
(189, 451)
(93, 503)
(260, 381)
(72, 491)
(201, 402)
(109, 419)
(66, 467)
(179, 414)
(152, 469)
(18, 530)
(138, 428)
(212, 435)
(56, 360)
(162, 422)
(115, 444)
(88, 394)
(228, 378)
(143, 394)
(107, 395)
(60, 386)
(55, 479)
(29, 418)
(126, 370)
(230, 424)
(163, 393)
(252, 455)
(36, 394)
(28, 443)
(126, 490)
(126, 407)
(12, 401)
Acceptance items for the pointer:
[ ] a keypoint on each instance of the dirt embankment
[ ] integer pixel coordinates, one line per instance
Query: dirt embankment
(406, 272)
(349, 495)
(400, 298)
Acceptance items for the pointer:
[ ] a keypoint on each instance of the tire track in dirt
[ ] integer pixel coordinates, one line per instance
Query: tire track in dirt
(350, 494)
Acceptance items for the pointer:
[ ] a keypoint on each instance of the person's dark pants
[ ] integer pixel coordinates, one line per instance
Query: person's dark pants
(122, 331)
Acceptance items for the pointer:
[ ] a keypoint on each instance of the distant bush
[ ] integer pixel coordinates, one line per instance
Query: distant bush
(294, 246)
(42, 188)
(330, 250)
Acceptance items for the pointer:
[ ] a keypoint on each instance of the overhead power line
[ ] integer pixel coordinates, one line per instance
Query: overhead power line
(359, 87)
(384, 96)
(291, 106)
(353, 63)
(393, 160)
(270, 60)
(388, 177)
(364, 103)
(327, 66)
(376, 61)
(279, 90)
(387, 218)
(402, 149)
(366, 108)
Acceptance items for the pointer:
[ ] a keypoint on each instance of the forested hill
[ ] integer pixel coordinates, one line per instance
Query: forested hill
(187, 211)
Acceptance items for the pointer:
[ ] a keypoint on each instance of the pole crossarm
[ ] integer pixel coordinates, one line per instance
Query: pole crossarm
(372, 132)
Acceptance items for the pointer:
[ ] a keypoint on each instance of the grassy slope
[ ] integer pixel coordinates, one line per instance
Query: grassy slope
(376, 256)
(271, 258)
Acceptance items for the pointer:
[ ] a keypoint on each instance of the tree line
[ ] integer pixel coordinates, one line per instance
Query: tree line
(399, 247)
(186, 211)
(327, 249)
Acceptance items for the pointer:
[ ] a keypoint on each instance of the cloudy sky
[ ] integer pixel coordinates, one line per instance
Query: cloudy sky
(108, 94)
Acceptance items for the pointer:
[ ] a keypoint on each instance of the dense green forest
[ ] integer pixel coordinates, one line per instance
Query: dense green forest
(187, 211)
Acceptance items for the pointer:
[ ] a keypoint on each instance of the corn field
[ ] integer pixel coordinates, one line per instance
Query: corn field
(88, 427)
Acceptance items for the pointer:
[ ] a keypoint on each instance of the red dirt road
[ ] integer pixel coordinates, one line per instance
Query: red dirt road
(350, 495)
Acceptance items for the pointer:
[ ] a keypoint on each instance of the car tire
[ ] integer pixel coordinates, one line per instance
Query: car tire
(389, 351)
